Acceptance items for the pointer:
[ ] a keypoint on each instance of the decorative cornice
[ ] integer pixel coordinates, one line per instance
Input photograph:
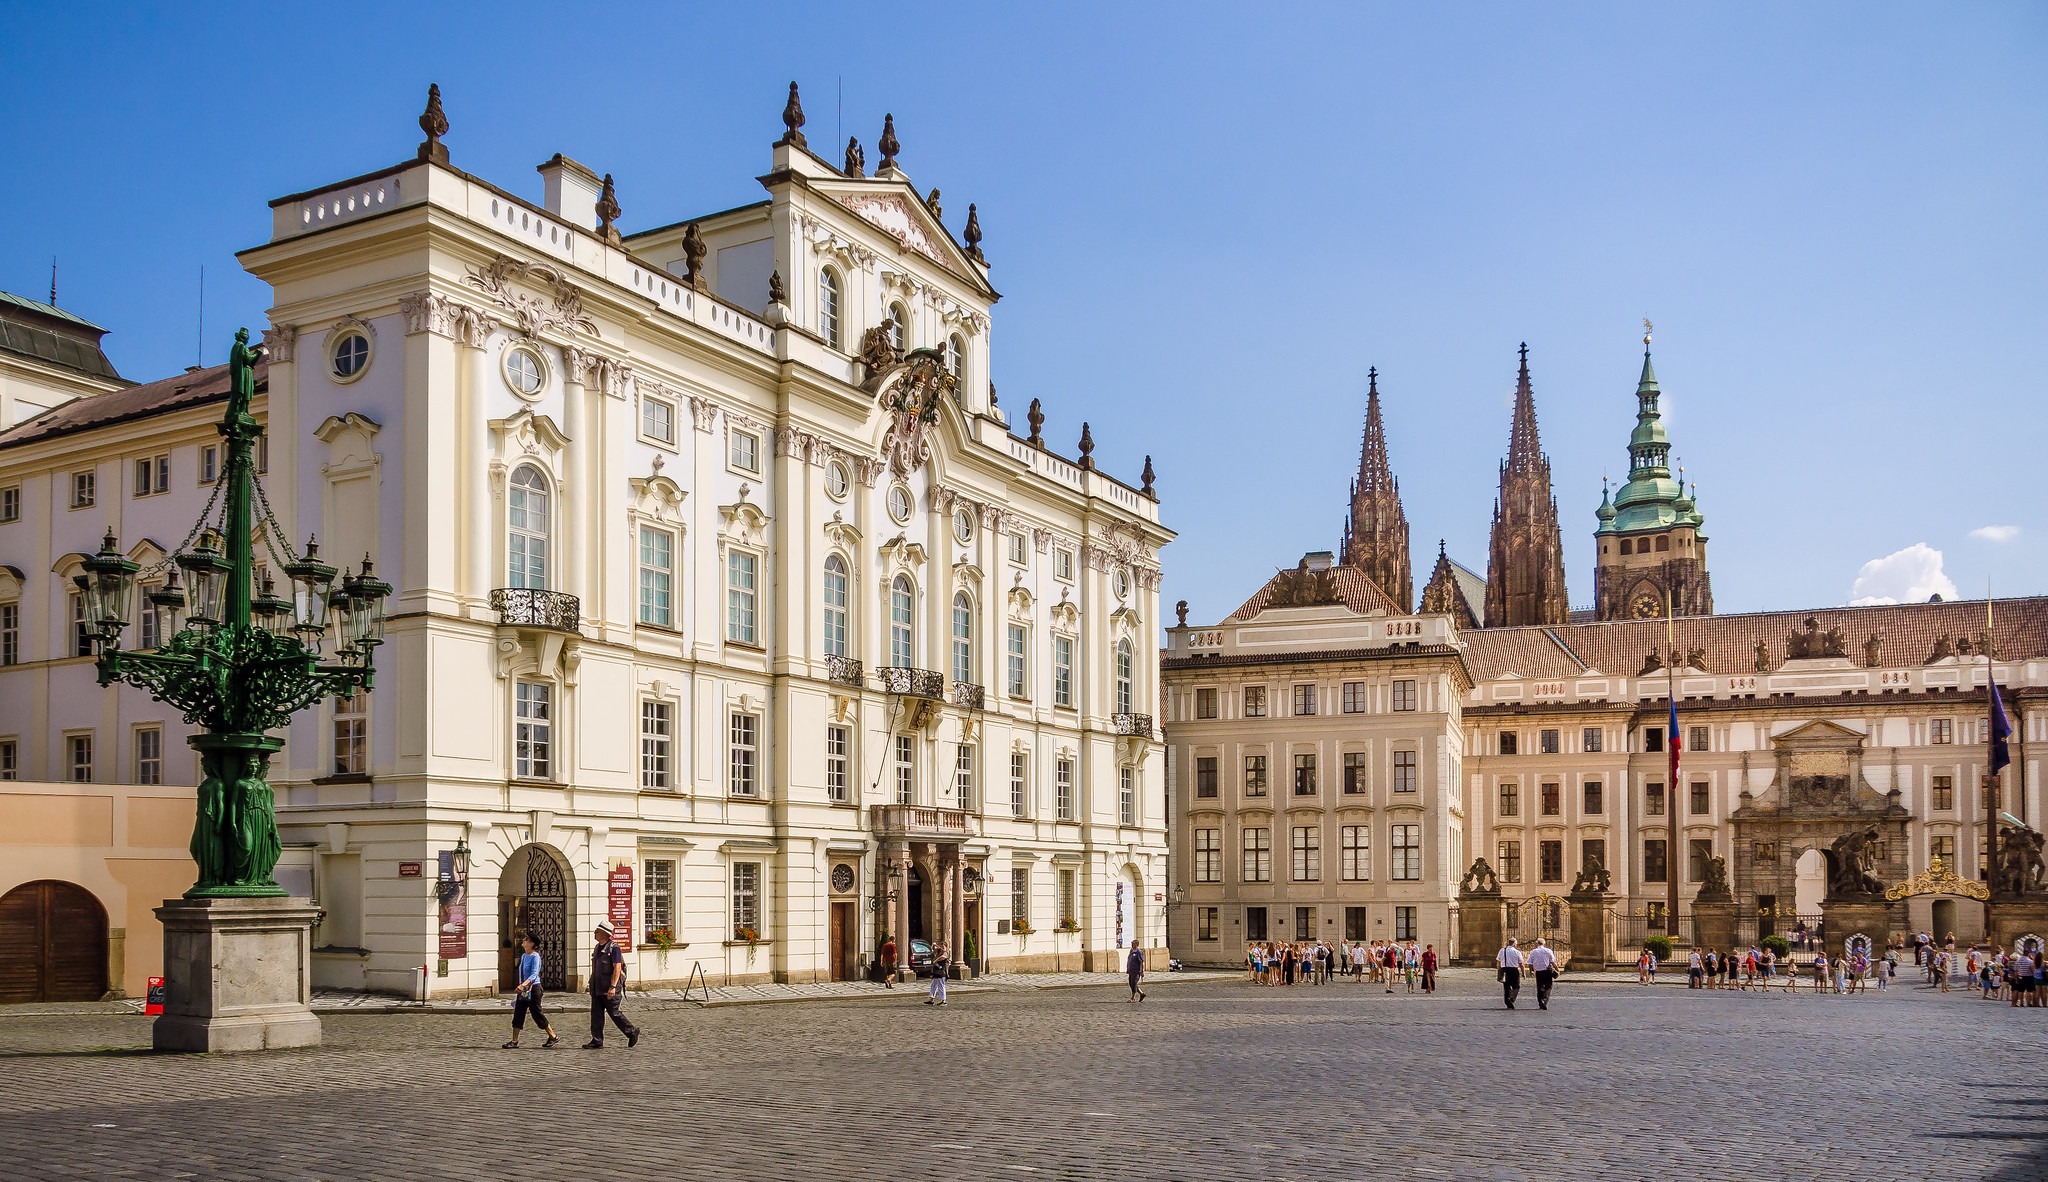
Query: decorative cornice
(427, 311)
(563, 311)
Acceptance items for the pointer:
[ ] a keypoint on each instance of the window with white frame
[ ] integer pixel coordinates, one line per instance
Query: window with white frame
(1407, 844)
(744, 755)
(657, 744)
(209, 463)
(1354, 697)
(901, 607)
(1208, 855)
(1016, 645)
(152, 475)
(1127, 796)
(1404, 771)
(1255, 701)
(1020, 896)
(351, 731)
(1355, 776)
(906, 770)
(828, 306)
(81, 627)
(1123, 676)
(746, 900)
(956, 353)
(1063, 564)
(527, 529)
(146, 620)
(10, 503)
(963, 777)
(1308, 853)
(1063, 671)
(658, 898)
(1019, 783)
(657, 576)
(84, 489)
(1208, 923)
(744, 450)
(963, 638)
(149, 755)
(78, 755)
(741, 571)
(1020, 550)
(1063, 789)
(899, 327)
(1404, 694)
(533, 733)
(838, 764)
(1257, 855)
(1069, 914)
(1305, 700)
(657, 419)
(835, 605)
(1354, 847)
(10, 633)
(10, 759)
(1941, 730)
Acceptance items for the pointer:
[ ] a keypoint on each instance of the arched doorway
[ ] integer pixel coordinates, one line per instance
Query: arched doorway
(1130, 909)
(533, 896)
(920, 929)
(1809, 882)
(53, 943)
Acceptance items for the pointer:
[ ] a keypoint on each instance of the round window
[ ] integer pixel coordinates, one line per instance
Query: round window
(1122, 582)
(899, 504)
(525, 372)
(835, 480)
(963, 525)
(351, 356)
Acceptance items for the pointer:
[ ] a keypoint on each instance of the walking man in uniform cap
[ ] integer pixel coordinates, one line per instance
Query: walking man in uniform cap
(607, 989)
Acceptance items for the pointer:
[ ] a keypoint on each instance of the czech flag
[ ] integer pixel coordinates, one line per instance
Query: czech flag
(2001, 731)
(1675, 745)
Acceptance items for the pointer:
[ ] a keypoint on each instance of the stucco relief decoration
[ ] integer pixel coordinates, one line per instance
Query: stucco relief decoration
(703, 413)
(1064, 614)
(562, 309)
(843, 533)
(426, 311)
(911, 397)
(829, 243)
(280, 343)
(349, 443)
(966, 574)
(657, 498)
(901, 553)
(742, 523)
(1041, 540)
(529, 435)
(1020, 603)
(889, 213)
(869, 469)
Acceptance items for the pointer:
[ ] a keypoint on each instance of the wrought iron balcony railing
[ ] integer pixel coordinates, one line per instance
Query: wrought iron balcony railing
(845, 671)
(968, 696)
(910, 820)
(528, 607)
(1131, 724)
(912, 683)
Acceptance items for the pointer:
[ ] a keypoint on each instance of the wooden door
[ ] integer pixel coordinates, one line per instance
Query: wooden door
(842, 916)
(53, 944)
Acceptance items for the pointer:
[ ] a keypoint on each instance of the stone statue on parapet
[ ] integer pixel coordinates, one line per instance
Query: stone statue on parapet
(1593, 878)
(1480, 880)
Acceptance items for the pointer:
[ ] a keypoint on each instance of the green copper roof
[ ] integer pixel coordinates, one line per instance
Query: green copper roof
(1650, 499)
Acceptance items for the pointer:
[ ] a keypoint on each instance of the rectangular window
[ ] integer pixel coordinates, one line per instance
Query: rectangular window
(1205, 703)
(1510, 861)
(1354, 846)
(10, 759)
(963, 776)
(1510, 798)
(906, 770)
(1507, 743)
(1700, 796)
(657, 419)
(657, 576)
(533, 731)
(351, 734)
(1407, 853)
(1700, 739)
(1070, 916)
(1653, 800)
(1941, 730)
(743, 759)
(1127, 796)
(1304, 923)
(1697, 853)
(1653, 738)
(1206, 924)
(149, 755)
(1063, 789)
(84, 489)
(145, 620)
(1205, 776)
(1020, 896)
(1018, 643)
(1550, 861)
(1552, 798)
(745, 451)
(1019, 783)
(1063, 565)
(739, 597)
(1944, 792)
(657, 738)
(1591, 850)
(1654, 869)
(1546, 741)
(1404, 923)
(152, 475)
(746, 899)
(1943, 846)
(1254, 775)
(1404, 771)
(1354, 697)
(209, 463)
(1404, 695)
(1305, 774)
(1208, 855)
(10, 503)
(838, 764)
(1020, 553)
(10, 633)
(1304, 701)
(1354, 773)
(1254, 924)
(1308, 853)
(1355, 924)
(658, 898)
(1589, 740)
(78, 749)
(1063, 671)
(1257, 856)
(81, 628)
(1594, 798)
(1255, 701)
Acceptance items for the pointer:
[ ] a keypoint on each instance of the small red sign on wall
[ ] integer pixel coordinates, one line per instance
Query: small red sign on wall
(154, 1002)
(408, 870)
(621, 913)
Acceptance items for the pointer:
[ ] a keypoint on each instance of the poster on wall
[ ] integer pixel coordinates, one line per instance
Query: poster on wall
(452, 888)
(621, 899)
(1120, 915)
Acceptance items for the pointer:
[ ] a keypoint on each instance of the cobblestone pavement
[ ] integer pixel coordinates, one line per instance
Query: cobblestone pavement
(1210, 1079)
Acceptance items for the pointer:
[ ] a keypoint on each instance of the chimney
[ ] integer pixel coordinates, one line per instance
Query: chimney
(1319, 559)
(569, 191)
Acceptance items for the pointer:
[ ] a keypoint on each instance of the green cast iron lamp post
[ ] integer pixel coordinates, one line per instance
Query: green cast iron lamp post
(237, 659)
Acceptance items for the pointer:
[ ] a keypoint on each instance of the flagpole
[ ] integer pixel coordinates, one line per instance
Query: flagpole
(1671, 851)
(1990, 740)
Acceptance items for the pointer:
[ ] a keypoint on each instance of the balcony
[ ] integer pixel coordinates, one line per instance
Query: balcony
(1131, 724)
(528, 607)
(905, 682)
(968, 696)
(846, 671)
(920, 823)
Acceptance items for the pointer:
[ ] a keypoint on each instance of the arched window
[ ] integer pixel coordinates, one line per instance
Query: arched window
(1627, 546)
(963, 638)
(828, 306)
(526, 521)
(835, 606)
(1123, 677)
(900, 654)
(956, 354)
(899, 327)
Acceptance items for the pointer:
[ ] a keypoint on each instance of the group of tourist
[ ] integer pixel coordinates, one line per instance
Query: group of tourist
(1319, 962)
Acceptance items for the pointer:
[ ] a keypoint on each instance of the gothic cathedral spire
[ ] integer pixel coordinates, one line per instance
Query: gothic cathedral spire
(1525, 562)
(1376, 535)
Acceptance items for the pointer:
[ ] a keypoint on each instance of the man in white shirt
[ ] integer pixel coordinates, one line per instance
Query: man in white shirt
(1543, 963)
(1509, 963)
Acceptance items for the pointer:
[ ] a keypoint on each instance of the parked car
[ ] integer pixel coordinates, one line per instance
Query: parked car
(921, 958)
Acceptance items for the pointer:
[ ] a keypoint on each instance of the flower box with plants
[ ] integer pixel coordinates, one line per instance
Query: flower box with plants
(1021, 927)
(664, 940)
(1070, 925)
(742, 934)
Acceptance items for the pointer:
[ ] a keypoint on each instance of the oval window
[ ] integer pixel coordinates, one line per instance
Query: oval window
(351, 356)
(963, 525)
(899, 504)
(525, 372)
(835, 480)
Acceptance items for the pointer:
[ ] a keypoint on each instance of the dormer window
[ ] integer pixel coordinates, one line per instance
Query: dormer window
(828, 306)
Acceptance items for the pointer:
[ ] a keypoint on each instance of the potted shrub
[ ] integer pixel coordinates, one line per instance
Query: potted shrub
(1779, 946)
(1660, 947)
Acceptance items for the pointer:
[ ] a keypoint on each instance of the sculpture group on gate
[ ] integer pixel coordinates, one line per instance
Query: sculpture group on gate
(2019, 869)
(1852, 865)
(1593, 879)
(1480, 880)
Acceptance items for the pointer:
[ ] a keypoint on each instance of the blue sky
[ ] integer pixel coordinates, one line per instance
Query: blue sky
(1207, 225)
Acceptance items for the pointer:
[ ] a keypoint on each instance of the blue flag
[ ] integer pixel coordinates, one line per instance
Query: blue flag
(2001, 730)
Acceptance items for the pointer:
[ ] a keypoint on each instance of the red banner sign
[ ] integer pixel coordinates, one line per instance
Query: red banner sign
(155, 1002)
(621, 914)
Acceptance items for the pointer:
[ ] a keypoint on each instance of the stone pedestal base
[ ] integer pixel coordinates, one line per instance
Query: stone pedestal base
(1714, 926)
(239, 975)
(1482, 928)
(1859, 917)
(1592, 931)
(2008, 919)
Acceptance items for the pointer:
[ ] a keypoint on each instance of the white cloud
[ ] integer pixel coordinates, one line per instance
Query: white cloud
(1903, 576)
(1995, 533)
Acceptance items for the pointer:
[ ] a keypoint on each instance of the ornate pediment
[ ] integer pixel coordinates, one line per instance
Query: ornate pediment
(561, 309)
(742, 523)
(350, 441)
(527, 434)
(1064, 614)
(900, 553)
(891, 213)
(657, 498)
(911, 393)
(843, 533)
(1020, 603)
(1124, 621)
(966, 574)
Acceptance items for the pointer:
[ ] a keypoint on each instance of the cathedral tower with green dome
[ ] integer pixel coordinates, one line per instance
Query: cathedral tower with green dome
(1650, 540)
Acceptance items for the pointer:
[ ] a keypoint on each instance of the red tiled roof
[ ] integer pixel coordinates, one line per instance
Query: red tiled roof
(1352, 587)
(191, 388)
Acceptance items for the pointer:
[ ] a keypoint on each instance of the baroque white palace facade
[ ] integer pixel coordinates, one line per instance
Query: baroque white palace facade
(717, 612)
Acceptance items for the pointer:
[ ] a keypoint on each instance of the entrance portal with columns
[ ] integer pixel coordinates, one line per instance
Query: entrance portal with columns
(924, 863)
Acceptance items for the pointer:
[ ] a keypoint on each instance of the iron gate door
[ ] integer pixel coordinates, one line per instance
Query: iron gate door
(547, 917)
